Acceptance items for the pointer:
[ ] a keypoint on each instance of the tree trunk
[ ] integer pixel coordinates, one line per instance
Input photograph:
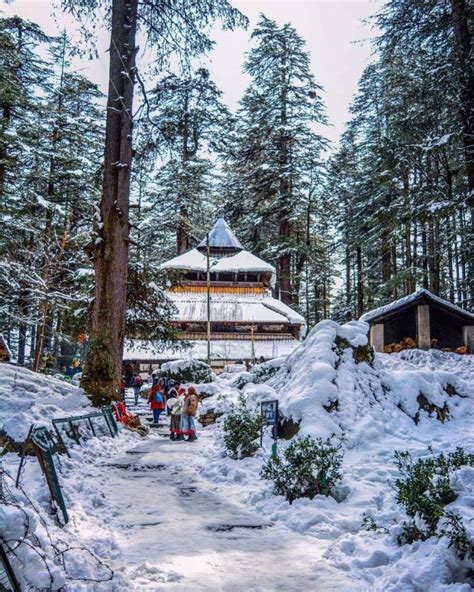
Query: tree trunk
(463, 42)
(182, 238)
(102, 372)
(360, 283)
(424, 256)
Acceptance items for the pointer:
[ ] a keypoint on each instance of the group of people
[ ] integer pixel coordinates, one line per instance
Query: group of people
(181, 404)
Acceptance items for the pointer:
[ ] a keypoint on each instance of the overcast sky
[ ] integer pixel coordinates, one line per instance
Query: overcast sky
(332, 30)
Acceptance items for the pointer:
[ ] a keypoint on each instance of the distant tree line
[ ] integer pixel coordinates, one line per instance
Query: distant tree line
(386, 212)
(401, 184)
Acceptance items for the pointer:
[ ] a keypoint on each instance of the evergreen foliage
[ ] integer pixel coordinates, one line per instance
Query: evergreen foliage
(274, 167)
(184, 371)
(424, 490)
(185, 131)
(242, 427)
(399, 184)
(309, 467)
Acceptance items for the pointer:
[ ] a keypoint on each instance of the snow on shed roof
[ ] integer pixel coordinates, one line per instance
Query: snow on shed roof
(194, 260)
(411, 298)
(221, 237)
(231, 349)
(234, 308)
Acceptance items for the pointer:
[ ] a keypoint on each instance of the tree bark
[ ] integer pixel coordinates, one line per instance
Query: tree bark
(463, 42)
(360, 282)
(102, 372)
(183, 230)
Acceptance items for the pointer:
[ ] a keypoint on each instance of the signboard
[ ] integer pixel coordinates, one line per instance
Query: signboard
(269, 414)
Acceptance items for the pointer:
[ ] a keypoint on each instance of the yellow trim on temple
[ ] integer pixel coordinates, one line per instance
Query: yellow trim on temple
(187, 289)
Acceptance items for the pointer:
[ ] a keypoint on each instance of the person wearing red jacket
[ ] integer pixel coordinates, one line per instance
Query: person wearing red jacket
(157, 402)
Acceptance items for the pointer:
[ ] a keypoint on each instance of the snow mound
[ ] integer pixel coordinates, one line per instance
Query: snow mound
(27, 397)
(334, 383)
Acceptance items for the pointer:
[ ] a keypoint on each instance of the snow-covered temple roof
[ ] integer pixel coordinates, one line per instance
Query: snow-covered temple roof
(195, 260)
(221, 237)
(419, 295)
(234, 308)
(225, 349)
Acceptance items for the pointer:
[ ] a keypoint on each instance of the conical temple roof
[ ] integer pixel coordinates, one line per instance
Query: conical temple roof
(221, 237)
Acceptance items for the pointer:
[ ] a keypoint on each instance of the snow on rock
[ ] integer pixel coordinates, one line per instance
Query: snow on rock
(334, 383)
(332, 370)
(27, 397)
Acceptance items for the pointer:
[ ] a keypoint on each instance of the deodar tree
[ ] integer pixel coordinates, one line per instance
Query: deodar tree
(169, 27)
(277, 151)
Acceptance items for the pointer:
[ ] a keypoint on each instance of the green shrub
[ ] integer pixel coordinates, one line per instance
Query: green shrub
(424, 490)
(241, 430)
(263, 372)
(184, 371)
(308, 468)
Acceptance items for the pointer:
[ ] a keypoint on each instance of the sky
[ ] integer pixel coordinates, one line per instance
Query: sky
(334, 31)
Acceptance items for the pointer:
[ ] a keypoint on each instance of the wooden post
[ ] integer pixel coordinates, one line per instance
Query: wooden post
(468, 338)
(423, 326)
(377, 340)
(208, 285)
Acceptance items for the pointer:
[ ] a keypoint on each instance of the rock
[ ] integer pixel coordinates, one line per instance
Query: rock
(288, 428)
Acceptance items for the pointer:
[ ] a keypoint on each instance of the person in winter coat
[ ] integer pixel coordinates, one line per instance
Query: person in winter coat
(157, 402)
(188, 423)
(175, 405)
(137, 383)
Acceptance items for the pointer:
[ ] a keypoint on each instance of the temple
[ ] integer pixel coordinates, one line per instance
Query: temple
(246, 322)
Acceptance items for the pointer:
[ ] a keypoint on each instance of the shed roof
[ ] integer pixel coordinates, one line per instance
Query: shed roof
(421, 295)
(221, 237)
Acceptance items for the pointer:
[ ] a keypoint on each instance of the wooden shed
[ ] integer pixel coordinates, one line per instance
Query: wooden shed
(427, 319)
(5, 353)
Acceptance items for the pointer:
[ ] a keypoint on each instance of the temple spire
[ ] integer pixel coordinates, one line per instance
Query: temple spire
(221, 237)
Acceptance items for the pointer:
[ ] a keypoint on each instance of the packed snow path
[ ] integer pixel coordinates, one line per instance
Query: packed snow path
(182, 532)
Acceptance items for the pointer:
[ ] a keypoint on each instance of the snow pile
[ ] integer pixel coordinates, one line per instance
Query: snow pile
(333, 384)
(415, 400)
(33, 565)
(27, 397)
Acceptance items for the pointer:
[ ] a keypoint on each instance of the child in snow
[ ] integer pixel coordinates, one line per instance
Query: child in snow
(137, 383)
(188, 423)
(175, 405)
(157, 402)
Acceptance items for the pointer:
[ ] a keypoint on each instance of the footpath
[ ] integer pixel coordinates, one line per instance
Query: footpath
(179, 531)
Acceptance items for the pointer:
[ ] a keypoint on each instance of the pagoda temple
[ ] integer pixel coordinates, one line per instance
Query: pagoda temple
(221, 286)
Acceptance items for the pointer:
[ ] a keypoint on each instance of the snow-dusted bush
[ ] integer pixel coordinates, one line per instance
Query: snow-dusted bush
(425, 490)
(265, 371)
(242, 428)
(308, 468)
(184, 371)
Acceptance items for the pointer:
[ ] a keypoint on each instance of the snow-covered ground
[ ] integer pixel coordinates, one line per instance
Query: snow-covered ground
(27, 397)
(184, 516)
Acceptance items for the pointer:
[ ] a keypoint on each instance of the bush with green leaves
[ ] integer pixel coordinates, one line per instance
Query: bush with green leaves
(184, 371)
(424, 490)
(307, 468)
(263, 372)
(242, 427)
